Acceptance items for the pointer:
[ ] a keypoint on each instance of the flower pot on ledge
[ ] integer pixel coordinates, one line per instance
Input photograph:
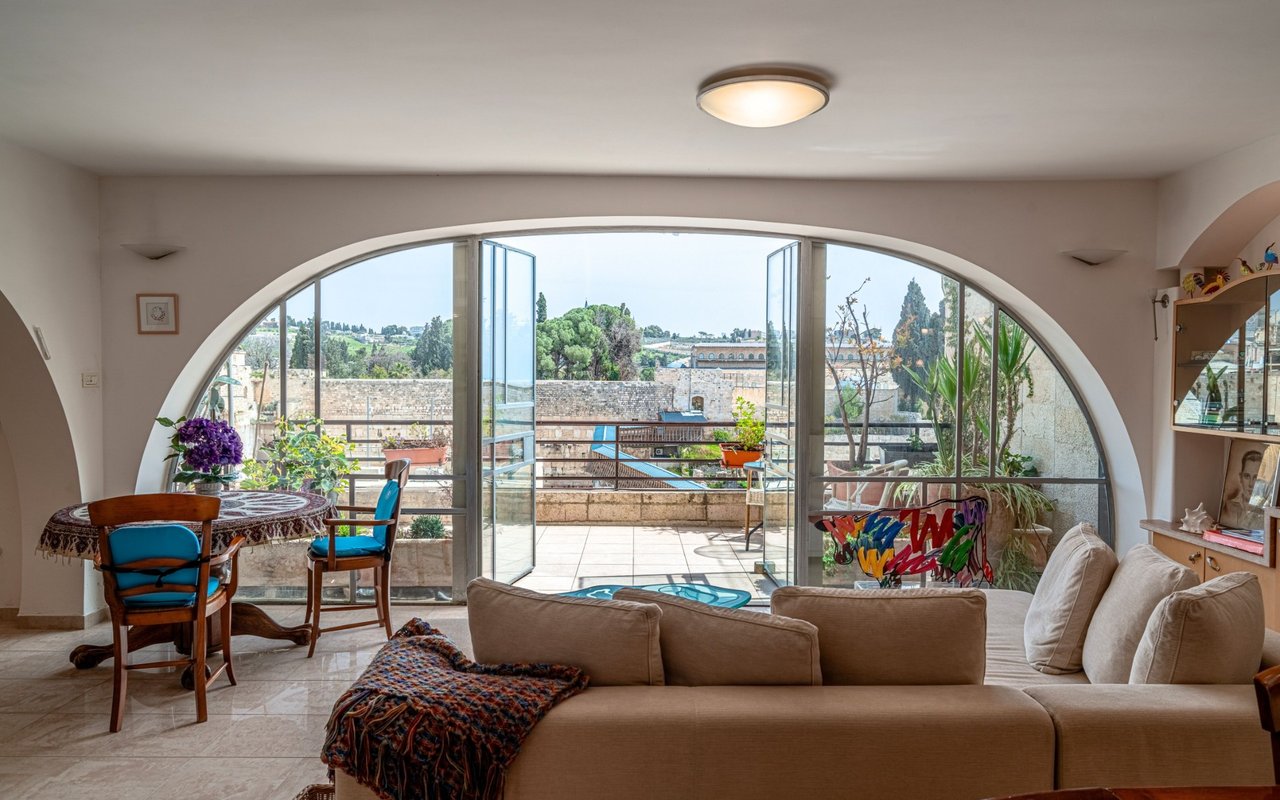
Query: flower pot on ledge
(417, 456)
(736, 458)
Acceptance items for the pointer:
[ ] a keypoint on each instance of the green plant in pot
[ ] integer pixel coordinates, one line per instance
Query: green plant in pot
(420, 446)
(749, 434)
(429, 527)
(302, 457)
(1213, 403)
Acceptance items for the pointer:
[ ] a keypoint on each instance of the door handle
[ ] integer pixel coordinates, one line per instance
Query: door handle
(1194, 557)
(1213, 564)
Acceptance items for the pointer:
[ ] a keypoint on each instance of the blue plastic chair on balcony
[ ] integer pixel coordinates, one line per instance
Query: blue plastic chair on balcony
(162, 573)
(334, 553)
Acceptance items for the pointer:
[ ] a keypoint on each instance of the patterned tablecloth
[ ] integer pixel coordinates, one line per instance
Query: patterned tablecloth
(261, 516)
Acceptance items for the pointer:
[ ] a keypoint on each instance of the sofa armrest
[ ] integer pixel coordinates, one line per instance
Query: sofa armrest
(1156, 735)
(1270, 650)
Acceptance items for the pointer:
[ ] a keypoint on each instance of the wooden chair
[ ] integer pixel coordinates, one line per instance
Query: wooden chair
(162, 574)
(1267, 686)
(333, 553)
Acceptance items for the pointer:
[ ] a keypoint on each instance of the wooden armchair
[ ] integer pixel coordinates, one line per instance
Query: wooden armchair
(334, 553)
(163, 574)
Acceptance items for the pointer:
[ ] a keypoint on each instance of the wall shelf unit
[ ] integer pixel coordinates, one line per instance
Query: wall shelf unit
(1226, 360)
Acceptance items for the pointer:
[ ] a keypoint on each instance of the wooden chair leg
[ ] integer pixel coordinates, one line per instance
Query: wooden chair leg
(225, 614)
(199, 653)
(384, 597)
(317, 584)
(306, 620)
(120, 656)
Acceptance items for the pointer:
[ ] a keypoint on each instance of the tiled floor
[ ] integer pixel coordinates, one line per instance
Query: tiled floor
(262, 740)
(573, 557)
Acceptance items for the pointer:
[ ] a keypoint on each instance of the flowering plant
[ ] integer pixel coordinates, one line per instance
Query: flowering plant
(207, 449)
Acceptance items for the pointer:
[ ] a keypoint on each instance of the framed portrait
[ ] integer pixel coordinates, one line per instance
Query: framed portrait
(1250, 484)
(157, 313)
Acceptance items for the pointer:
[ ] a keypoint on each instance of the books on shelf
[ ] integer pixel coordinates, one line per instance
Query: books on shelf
(1246, 540)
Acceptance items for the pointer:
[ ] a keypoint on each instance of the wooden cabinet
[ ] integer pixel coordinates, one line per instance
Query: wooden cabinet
(1209, 560)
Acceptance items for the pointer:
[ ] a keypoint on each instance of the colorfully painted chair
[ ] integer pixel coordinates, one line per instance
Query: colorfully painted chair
(333, 553)
(162, 573)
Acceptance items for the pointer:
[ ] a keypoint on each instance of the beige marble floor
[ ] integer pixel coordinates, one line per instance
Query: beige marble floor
(576, 556)
(262, 740)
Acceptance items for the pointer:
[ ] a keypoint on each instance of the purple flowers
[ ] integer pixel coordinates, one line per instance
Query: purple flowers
(205, 448)
(210, 444)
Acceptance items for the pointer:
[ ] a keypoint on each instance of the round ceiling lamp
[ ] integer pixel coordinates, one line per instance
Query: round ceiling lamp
(764, 98)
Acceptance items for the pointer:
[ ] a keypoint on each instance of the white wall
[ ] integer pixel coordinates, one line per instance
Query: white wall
(49, 278)
(10, 529)
(249, 239)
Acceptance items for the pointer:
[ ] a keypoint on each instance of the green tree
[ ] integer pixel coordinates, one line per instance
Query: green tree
(655, 332)
(598, 342)
(433, 351)
(300, 354)
(917, 343)
(542, 308)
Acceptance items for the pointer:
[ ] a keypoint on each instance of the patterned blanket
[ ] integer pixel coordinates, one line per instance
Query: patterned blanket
(424, 722)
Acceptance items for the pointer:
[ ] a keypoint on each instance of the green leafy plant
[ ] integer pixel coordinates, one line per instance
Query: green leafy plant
(301, 456)
(431, 527)
(418, 437)
(1212, 382)
(1016, 568)
(747, 426)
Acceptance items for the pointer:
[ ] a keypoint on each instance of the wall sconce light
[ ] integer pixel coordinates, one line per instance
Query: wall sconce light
(153, 251)
(1093, 256)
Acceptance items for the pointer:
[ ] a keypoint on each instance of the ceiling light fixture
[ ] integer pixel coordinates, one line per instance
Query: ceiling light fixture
(763, 97)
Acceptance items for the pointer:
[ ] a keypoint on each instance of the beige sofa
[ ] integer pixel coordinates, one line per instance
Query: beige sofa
(1020, 731)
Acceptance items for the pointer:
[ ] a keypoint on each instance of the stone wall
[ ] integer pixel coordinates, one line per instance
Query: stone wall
(724, 508)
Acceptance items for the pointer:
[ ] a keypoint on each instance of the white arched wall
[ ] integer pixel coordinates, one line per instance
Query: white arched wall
(249, 240)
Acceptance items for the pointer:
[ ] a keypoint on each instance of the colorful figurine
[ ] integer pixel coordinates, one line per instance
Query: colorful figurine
(1191, 282)
(1219, 281)
(1269, 257)
(1245, 269)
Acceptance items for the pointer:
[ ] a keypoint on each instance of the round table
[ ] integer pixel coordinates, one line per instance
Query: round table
(261, 517)
(704, 593)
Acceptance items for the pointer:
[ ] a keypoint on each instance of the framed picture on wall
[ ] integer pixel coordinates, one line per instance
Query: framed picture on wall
(1250, 484)
(157, 313)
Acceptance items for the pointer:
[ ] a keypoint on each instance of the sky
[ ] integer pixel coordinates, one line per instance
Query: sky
(682, 282)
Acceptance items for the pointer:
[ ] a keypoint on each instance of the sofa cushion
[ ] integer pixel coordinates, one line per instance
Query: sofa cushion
(899, 637)
(1006, 656)
(1073, 582)
(707, 646)
(1211, 633)
(614, 641)
(1144, 578)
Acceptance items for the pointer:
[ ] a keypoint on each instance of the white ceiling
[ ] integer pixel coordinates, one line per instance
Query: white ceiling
(923, 88)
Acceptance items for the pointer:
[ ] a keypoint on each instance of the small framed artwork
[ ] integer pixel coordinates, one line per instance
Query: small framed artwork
(1250, 484)
(157, 313)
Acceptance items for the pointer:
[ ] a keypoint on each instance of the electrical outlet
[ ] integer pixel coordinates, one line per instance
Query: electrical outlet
(90, 380)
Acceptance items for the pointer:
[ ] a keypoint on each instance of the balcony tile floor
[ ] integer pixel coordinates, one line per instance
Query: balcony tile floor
(576, 556)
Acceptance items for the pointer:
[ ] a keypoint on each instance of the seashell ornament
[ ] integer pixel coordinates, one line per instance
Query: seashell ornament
(1196, 520)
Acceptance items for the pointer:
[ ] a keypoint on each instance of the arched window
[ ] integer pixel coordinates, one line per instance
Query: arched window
(696, 403)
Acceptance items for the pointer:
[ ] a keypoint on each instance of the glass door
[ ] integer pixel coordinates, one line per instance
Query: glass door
(507, 469)
(780, 460)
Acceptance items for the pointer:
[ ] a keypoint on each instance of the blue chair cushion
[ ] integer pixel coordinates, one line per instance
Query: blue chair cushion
(132, 543)
(348, 546)
(386, 506)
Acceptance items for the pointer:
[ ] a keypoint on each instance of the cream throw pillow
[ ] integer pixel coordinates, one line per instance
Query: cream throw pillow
(1073, 582)
(1144, 578)
(1211, 633)
(707, 646)
(615, 642)
(892, 637)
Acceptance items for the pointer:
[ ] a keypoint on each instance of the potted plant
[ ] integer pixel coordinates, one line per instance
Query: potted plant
(420, 447)
(207, 452)
(749, 430)
(1213, 405)
(302, 457)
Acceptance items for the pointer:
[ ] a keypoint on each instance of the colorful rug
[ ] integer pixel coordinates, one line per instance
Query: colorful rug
(424, 722)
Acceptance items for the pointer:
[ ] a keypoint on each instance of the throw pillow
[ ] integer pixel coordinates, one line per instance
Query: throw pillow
(1073, 582)
(1144, 578)
(615, 642)
(897, 637)
(1211, 633)
(707, 646)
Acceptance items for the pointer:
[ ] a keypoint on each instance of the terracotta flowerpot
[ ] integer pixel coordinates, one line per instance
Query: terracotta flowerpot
(734, 458)
(418, 456)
